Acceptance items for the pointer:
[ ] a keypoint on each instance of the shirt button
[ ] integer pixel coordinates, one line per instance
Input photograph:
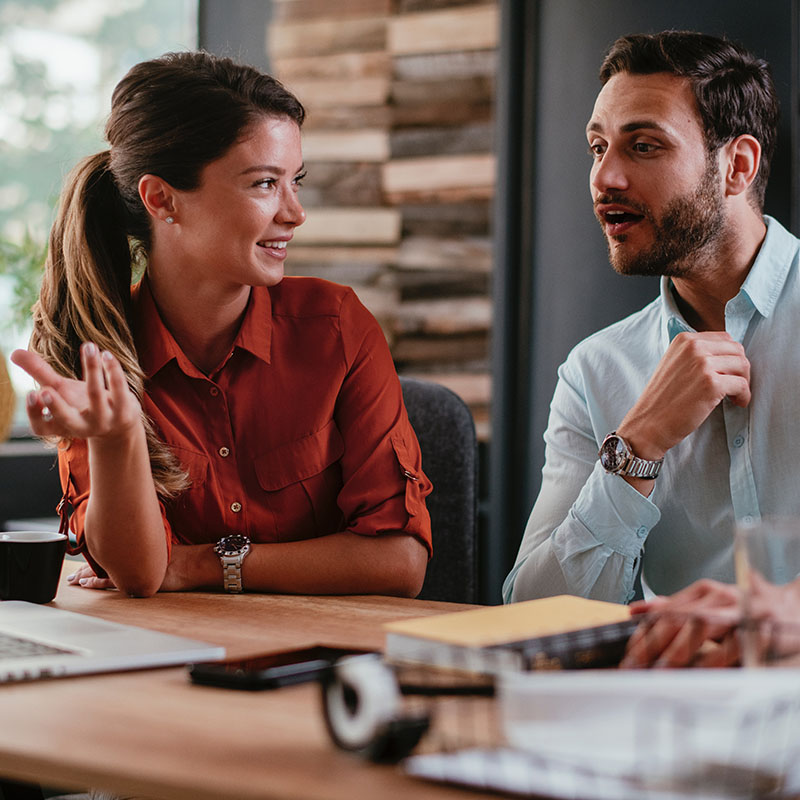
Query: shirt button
(224, 452)
(236, 507)
(747, 519)
(213, 391)
(641, 532)
(738, 441)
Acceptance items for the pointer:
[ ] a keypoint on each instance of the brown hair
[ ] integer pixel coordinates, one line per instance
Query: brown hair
(170, 117)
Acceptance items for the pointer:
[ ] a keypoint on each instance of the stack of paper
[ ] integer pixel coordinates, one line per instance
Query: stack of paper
(643, 734)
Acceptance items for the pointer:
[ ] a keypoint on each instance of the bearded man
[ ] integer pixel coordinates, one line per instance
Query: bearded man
(669, 426)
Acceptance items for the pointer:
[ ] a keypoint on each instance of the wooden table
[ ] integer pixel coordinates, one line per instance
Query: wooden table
(152, 733)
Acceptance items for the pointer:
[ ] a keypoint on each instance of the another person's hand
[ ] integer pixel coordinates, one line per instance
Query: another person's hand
(694, 627)
(100, 405)
(700, 625)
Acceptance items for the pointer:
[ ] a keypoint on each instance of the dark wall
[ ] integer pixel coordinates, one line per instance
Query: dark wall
(29, 480)
(559, 270)
(236, 29)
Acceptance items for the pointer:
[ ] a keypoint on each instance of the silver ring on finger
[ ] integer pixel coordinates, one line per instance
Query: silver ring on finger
(47, 414)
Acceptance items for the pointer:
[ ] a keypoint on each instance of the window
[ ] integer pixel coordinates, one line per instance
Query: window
(59, 62)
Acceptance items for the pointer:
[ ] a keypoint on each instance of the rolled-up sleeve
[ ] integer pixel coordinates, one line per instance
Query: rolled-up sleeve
(587, 528)
(383, 484)
(73, 467)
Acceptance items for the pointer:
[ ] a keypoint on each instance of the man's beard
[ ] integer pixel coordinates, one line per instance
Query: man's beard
(684, 238)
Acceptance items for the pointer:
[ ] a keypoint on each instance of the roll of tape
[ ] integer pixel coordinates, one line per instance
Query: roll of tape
(363, 710)
(360, 700)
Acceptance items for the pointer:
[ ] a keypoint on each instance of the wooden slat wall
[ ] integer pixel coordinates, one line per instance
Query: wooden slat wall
(398, 142)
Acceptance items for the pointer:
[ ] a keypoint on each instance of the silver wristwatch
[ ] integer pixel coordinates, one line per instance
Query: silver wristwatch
(231, 551)
(617, 458)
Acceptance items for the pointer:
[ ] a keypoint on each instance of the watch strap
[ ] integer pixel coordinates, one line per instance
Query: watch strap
(232, 551)
(641, 468)
(232, 573)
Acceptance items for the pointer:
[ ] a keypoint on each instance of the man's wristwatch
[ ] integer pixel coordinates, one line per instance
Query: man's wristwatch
(617, 458)
(231, 551)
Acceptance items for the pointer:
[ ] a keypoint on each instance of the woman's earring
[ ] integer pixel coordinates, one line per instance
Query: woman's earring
(169, 220)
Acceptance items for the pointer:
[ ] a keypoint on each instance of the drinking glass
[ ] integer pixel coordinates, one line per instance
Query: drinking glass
(767, 556)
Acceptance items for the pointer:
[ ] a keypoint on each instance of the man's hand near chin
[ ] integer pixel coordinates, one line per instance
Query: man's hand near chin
(695, 374)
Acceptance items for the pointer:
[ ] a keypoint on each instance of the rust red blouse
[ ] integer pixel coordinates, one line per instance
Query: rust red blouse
(301, 432)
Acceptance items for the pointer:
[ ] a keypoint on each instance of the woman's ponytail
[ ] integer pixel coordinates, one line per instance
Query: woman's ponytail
(86, 294)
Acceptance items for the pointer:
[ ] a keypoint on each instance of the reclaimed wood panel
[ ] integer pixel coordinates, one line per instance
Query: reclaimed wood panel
(341, 184)
(296, 10)
(410, 351)
(464, 28)
(447, 221)
(411, 6)
(342, 254)
(439, 172)
(360, 145)
(455, 65)
(434, 284)
(316, 94)
(444, 316)
(317, 37)
(455, 111)
(337, 66)
(426, 252)
(350, 225)
(339, 117)
(471, 91)
(442, 140)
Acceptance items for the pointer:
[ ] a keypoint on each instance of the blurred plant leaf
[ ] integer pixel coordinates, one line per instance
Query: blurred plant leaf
(23, 262)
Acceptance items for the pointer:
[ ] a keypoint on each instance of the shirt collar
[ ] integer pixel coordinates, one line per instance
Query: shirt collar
(762, 286)
(764, 283)
(157, 347)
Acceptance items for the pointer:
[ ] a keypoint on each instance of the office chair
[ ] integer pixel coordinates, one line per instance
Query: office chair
(446, 433)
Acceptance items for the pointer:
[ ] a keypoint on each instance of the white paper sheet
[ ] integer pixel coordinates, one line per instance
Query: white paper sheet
(654, 734)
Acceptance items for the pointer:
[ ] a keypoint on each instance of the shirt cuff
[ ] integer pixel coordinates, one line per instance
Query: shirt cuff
(615, 513)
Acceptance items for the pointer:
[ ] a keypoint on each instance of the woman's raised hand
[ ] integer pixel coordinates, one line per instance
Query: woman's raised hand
(100, 405)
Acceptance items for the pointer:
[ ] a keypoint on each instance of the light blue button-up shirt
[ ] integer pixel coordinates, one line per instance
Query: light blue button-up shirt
(588, 529)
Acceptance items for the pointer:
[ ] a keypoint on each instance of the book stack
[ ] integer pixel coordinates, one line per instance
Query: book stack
(563, 632)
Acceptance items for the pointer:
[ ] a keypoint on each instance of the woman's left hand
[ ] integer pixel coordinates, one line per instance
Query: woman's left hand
(87, 578)
(182, 572)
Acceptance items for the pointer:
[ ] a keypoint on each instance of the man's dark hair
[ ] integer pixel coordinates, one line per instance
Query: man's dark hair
(734, 90)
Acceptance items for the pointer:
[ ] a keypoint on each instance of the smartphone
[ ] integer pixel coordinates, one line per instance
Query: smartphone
(270, 670)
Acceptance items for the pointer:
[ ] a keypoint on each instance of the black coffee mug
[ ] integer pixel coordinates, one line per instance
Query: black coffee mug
(30, 565)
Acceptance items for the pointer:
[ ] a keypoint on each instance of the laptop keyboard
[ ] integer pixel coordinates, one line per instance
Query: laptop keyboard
(14, 647)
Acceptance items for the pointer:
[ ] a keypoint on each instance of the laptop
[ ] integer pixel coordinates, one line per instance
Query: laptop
(38, 641)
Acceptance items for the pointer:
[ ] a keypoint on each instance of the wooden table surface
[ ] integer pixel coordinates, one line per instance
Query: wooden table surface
(152, 733)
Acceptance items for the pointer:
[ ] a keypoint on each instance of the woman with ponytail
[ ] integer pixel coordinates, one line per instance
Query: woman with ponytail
(218, 424)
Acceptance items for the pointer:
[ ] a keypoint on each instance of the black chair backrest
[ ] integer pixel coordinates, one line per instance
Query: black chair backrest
(446, 432)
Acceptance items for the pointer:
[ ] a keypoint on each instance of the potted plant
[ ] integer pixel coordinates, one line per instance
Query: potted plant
(23, 263)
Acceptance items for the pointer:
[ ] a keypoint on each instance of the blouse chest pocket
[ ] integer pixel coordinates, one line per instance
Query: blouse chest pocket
(301, 481)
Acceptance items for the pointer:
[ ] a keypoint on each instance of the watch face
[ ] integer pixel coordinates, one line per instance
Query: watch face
(229, 545)
(613, 454)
